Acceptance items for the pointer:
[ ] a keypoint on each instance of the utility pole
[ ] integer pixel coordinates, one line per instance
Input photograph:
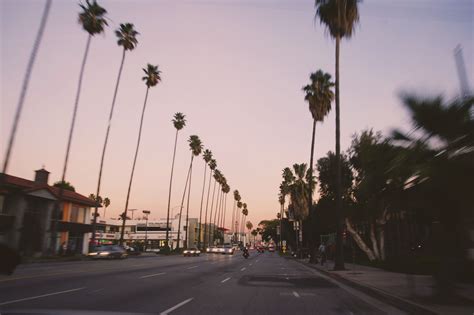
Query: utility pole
(461, 68)
(146, 213)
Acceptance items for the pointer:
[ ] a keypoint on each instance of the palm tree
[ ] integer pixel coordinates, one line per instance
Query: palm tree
(245, 212)
(237, 220)
(26, 80)
(207, 156)
(340, 18)
(179, 122)
(217, 175)
(106, 204)
(226, 191)
(234, 214)
(127, 38)
(152, 78)
(220, 181)
(249, 225)
(319, 96)
(195, 145)
(221, 203)
(212, 167)
(93, 21)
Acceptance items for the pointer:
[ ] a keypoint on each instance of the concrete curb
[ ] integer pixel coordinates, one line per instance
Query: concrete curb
(398, 302)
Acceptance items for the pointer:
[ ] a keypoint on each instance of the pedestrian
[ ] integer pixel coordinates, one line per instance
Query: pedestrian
(322, 253)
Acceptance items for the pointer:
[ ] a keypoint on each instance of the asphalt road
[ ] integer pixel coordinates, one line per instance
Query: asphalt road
(209, 284)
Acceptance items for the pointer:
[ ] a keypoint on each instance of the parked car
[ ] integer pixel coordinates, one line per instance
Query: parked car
(228, 250)
(212, 250)
(131, 251)
(152, 250)
(191, 252)
(108, 252)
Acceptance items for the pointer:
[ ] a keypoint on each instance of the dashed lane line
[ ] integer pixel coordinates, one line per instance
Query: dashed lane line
(153, 275)
(226, 279)
(176, 306)
(39, 296)
(192, 267)
(242, 269)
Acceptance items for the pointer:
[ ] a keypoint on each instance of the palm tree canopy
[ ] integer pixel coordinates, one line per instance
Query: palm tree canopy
(244, 205)
(127, 36)
(236, 195)
(281, 199)
(226, 188)
(217, 175)
(245, 211)
(153, 75)
(212, 164)
(249, 226)
(195, 145)
(207, 156)
(92, 18)
(106, 202)
(339, 16)
(288, 176)
(179, 121)
(319, 94)
(239, 204)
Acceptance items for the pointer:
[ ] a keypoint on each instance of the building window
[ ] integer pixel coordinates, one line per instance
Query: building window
(77, 214)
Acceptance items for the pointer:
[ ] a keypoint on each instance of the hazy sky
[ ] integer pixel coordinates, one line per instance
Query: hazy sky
(235, 68)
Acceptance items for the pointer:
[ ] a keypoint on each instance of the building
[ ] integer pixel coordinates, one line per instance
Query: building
(153, 231)
(27, 223)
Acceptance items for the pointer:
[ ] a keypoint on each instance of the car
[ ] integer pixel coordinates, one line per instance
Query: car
(191, 252)
(228, 250)
(271, 249)
(211, 250)
(152, 250)
(108, 252)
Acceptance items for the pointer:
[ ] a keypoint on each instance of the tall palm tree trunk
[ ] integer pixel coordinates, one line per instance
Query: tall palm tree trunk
(182, 203)
(310, 197)
(339, 259)
(202, 201)
(210, 215)
(26, 80)
(205, 215)
(68, 147)
(219, 214)
(225, 209)
(187, 205)
(216, 210)
(94, 222)
(169, 193)
(124, 219)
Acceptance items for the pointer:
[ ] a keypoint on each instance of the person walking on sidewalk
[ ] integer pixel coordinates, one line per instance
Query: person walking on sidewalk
(322, 253)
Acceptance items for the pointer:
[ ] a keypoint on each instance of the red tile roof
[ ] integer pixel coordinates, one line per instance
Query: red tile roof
(29, 185)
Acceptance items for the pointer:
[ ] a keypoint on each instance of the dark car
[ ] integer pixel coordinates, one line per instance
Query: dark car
(108, 252)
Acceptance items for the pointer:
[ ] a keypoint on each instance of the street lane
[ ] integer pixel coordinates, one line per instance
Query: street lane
(209, 284)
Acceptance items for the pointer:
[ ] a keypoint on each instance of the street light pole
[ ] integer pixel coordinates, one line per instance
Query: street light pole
(146, 213)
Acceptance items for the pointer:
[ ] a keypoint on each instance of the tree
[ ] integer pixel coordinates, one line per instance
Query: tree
(179, 122)
(440, 155)
(375, 189)
(98, 199)
(127, 38)
(93, 21)
(237, 220)
(340, 18)
(216, 176)
(26, 81)
(64, 185)
(254, 233)
(106, 204)
(319, 96)
(212, 166)
(226, 191)
(249, 225)
(207, 156)
(152, 78)
(269, 229)
(195, 145)
(234, 213)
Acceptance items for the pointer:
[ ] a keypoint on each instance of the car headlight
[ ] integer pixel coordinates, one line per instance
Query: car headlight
(186, 252)
(104, 253)
(198, 252)
(92, 254)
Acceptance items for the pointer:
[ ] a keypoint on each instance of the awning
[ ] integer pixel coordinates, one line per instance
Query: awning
(81, 228)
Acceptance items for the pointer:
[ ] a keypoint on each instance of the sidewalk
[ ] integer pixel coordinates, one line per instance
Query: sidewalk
(414, 292)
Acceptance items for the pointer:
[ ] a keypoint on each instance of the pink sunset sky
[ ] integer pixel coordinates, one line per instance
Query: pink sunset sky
(235, 69)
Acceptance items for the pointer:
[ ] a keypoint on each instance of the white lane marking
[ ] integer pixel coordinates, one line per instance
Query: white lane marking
(226, 279)
(97, 290)
(250, 264)
(176, 306)
(192, 267)
(40, 296)
(242, 269)
(296, 294)
(256, 261)
(153, 275)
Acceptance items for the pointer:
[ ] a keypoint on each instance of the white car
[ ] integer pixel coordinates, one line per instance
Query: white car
(227, 250)
(191, 252)
(212, 250)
